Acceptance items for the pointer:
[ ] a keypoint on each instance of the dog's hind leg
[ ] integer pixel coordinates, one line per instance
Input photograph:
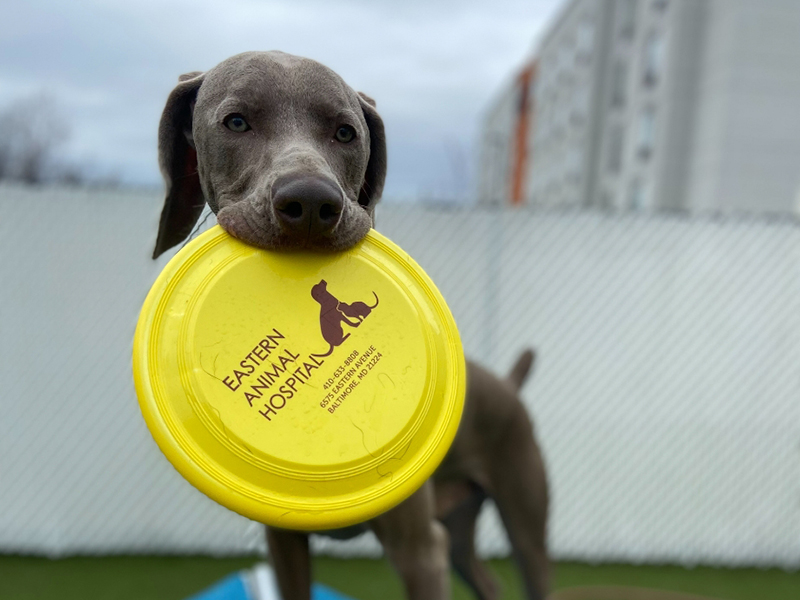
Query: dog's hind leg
(518, 486)
(460, 524)
(291, 560)
(416, 544)
(342, 308)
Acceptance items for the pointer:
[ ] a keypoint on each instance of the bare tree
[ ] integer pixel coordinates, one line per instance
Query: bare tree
(31, 130)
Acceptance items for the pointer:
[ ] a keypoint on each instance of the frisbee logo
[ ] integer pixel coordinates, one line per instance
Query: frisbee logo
(334, 314)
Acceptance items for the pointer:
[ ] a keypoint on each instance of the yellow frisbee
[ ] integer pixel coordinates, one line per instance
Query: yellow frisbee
(303, 390)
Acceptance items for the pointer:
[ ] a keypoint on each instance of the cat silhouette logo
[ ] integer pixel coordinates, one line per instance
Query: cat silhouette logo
(334, 314)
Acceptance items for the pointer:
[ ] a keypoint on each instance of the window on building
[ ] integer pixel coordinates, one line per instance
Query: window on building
(616, 140)
(653, 58)
(646, 132)
(626, 24)
(580, 108)
(619, 74)
(574, 164)
(585, 41)
(565, 55)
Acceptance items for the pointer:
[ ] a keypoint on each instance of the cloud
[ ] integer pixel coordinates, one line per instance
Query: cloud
(432, 67)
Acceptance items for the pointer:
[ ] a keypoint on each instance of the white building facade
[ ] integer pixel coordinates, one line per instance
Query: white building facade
(666, 105)
(494, 183)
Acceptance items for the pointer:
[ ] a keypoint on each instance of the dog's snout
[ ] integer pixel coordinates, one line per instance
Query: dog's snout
(307, 205)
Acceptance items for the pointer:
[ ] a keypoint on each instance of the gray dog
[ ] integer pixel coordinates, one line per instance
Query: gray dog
(288, 156)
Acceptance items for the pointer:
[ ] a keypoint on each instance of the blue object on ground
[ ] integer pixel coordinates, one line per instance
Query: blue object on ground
(258, 583)
(323, 592)
(231, 588)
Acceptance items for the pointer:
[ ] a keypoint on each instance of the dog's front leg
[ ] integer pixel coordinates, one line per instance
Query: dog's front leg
(417, 546)
(290, 558)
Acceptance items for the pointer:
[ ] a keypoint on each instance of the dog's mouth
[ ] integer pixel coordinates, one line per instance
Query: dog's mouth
(271, 232)
(299, 211)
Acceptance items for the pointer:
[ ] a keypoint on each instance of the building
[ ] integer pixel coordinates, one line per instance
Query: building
(660, 105)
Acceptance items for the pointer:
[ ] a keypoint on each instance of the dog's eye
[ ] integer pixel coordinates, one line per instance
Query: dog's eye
(236, 122)
(345, 134)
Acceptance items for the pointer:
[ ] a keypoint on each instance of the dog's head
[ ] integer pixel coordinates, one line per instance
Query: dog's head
(284, 152)
(320, 292)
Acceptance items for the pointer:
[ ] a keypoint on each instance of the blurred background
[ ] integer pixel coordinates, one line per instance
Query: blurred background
(613, 182)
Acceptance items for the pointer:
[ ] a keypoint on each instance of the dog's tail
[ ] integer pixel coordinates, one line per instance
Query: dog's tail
(376, 301)
(328, 353)
(521, 369)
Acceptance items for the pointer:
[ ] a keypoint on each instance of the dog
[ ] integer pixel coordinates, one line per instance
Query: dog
(288, 156)
(334, 313)
(331, 317)
(358, 310)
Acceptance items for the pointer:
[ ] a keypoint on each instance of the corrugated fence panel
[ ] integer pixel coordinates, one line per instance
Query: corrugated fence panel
(79, 471)
(666, 394)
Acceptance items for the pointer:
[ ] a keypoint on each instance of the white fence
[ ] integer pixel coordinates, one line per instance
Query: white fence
(666, 394)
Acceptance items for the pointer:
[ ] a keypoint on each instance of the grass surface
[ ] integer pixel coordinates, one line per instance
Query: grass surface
(175, 578)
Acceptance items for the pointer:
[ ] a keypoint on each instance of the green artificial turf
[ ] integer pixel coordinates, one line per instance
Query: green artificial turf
(175, 578)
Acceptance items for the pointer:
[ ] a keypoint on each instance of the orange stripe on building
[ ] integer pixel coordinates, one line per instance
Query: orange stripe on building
(520, 149)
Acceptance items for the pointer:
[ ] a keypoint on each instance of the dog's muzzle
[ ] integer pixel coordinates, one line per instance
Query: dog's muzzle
(307, 207)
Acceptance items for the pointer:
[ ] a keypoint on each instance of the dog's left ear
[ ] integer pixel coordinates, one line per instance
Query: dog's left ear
(177, 158)
(372, 188)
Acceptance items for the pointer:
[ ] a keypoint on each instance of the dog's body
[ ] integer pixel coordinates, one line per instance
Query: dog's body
(331, 317)
(288, 156)
(358, 310)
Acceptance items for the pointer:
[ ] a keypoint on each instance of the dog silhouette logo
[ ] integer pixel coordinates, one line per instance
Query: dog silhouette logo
(334, 314)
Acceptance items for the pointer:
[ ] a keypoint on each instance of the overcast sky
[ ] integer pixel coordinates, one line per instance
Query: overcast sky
(432, 66)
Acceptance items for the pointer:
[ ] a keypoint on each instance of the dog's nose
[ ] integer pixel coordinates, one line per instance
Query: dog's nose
(308, 205)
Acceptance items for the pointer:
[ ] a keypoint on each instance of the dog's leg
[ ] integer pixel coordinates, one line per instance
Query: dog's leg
(517, 471)
(291, 560)
(460, 524)
(348, 321)
(417, 544)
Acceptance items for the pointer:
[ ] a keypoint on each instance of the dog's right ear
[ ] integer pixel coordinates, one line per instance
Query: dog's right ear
(178, 161)
(372, 187)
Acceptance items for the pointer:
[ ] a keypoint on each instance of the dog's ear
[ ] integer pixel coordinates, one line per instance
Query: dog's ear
(178, 161)
(375, 176)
